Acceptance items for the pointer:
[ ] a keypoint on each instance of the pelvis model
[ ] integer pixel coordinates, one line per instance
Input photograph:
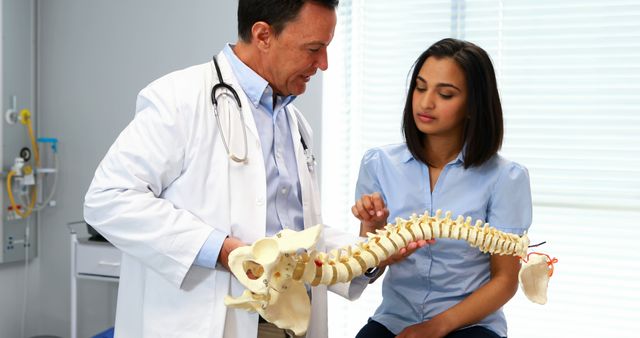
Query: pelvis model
(275, 269)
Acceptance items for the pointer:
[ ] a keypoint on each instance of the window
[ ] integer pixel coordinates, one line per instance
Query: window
(568, 74)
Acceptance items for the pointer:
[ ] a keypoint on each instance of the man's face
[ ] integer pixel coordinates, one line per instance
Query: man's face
(300, 49)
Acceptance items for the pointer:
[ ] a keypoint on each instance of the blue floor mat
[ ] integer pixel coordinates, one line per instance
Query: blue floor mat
(106, 334)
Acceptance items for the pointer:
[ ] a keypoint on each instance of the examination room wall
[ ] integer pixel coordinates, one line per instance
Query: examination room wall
(92, 59)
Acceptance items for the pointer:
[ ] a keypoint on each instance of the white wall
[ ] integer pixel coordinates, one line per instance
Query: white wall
(93, 58)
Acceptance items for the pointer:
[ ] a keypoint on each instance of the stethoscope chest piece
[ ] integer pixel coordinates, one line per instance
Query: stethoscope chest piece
(311, 160)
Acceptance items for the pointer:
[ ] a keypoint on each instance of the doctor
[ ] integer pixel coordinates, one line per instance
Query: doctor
(187, 182)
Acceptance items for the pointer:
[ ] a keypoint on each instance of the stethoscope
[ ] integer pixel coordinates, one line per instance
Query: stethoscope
(224, 89)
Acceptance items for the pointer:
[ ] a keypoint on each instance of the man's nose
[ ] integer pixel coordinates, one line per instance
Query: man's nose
(323, 60)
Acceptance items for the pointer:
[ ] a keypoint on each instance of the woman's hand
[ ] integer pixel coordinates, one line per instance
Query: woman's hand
(404, 252)
(372, 213)
(434, 328)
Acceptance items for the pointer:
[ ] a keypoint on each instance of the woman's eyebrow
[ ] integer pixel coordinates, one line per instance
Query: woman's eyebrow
(419, 78)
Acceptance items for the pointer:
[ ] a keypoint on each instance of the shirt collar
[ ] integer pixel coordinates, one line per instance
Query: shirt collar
(407, 156)
(254, 86)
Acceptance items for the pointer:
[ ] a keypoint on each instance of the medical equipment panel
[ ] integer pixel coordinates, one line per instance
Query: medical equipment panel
(27, 182)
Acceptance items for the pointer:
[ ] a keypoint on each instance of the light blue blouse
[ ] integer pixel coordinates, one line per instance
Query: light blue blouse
(441, 275)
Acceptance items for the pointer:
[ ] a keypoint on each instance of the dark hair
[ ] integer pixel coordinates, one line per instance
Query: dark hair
(276, 13)
(483, 129)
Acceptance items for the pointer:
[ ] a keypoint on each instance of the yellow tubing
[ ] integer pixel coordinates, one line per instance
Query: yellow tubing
(25, 118)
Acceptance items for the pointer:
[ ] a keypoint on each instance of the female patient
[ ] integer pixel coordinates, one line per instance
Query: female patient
(453, 130)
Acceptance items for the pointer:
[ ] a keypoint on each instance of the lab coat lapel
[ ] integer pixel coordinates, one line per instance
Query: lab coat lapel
(308, 182)
(247, 200)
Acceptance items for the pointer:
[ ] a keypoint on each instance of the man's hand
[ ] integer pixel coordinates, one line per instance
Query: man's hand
(229, 244)
(372, 213)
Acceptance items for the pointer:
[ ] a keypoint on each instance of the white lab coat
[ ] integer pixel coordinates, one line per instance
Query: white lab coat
(164, 185)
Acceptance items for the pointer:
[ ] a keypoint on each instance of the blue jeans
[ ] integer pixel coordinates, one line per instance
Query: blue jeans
(374, 329)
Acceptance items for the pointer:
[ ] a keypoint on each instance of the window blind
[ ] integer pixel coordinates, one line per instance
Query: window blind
(568, 74)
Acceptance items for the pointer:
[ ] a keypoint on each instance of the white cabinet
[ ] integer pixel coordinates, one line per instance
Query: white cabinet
(90, 260)
(97, 259)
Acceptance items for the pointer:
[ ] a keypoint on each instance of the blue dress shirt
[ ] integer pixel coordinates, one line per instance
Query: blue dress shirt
(438, 276)
(284, 199)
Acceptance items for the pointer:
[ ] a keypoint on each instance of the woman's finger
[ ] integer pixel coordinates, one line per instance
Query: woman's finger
(362, 211)
(367, 203)
(378, 204)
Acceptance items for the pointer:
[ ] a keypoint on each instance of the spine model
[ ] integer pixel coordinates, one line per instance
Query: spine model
(344, 264)
(275, 269)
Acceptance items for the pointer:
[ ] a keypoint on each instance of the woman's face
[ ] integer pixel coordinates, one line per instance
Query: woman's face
(440, 98)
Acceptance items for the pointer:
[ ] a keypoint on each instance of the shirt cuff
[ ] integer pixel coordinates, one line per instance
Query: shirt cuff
(357, 286)
(208, 255)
